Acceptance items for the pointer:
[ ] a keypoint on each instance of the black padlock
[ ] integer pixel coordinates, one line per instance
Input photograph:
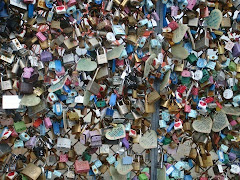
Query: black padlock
(39, 151)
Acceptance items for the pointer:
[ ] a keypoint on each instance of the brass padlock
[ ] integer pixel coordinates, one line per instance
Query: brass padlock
(149, 108)
(226, 22)
(193, 153)
(136, 164)
(32, 171)
(153, 96)
(179, 67)
(202, 43)
(221, 49)
(208, 161)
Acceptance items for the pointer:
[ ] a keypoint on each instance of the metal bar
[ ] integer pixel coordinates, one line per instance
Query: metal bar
(155, 116)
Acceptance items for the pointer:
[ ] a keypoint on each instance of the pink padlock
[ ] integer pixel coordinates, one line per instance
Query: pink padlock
(63, 158)
(187, 108)
(81, 166)
(191, 4)
(174, 10)
(173, 25)
(14, 133)
(120, 63)
(233, 123)
(71, 3)
(155, 16)
(194, 91)
(28, 1)
(41, 37)
(27, 72)
(186, 73)
(204, 12)
(47, 122)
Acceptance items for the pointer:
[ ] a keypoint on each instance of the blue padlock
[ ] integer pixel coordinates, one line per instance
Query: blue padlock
(212, 87)
(142, 42)
(139, 53)
(30, 10)
(70, 100)
(77, 15)
(71, 10)
(56, 128)
(149, 5)
(127, 160)
(58, 65)
(42, 129)
(73, 93)
(109, 112)
(149, 25)
(183, 4)
(188, 177)
(123, 55)
(220, 155)
(213, 35)
(113, 65)
(170, 127)
(155, 43)
(66, 88)
(18, 144)
(113, 98)
(49, 3)
(24, 136)
(62, 97)
(190, 163)
(165, 157)
(57, 108)
(174, 77)
(52, 97)
(195, 99)
(201, 63)
(61, 125)
(98, 2)
(130, 48)
(238, 17)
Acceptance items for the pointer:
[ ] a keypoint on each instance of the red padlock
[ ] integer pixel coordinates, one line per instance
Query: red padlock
(194, 91)
(187, 108)
(181, 89)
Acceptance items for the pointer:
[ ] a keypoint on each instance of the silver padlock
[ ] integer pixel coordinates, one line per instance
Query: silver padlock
(101, 58)
(63, 144)
(93, 43)
(122, 107)
(6, 85)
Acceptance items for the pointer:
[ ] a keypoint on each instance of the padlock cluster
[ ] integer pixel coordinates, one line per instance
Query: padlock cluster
(95, 88)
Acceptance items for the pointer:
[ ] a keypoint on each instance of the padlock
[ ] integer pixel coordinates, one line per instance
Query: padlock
(202, 43)
(81, 166)
(122, 107)
(6, 84)
(63, 144)
(32, 171)
(92, 86)
(84, 136)
(101, 58)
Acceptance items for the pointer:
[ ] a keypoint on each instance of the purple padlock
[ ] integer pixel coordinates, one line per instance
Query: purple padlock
(84, 137)
(47, 122)
(27, 72)
(174, 10)
(155, 16)
(125, 143)
(236, 50)
(31, 142)
(232, 156)
(135, 178)
(46, 56)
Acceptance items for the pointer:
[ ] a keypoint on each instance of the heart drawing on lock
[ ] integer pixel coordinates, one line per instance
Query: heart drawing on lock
(117, 132)
(220, 121)
(148, 140)
(204, 125)
(214, 19)
(85, 64)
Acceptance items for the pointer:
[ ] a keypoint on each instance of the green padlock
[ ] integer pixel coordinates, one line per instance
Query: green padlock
(86, 156)
(226, 159)
(101, 104)
(185, 80)
(167, 141)
(232, 66)
(192, 58)
(205, 76)
(20, 126)
(143, 177)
